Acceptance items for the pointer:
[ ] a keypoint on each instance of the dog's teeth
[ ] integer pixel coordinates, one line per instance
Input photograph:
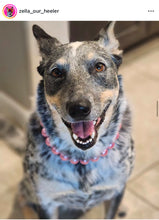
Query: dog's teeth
(75, 136)
(93, 134)
(86, 142)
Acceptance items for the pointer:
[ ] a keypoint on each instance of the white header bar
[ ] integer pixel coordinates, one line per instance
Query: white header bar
(80, 10)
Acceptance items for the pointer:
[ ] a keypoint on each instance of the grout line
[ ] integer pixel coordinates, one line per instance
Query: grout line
(156, 163)
(157, 108)
(143, 199)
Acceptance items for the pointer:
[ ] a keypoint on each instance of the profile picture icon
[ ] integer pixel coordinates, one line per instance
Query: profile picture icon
(9, 11)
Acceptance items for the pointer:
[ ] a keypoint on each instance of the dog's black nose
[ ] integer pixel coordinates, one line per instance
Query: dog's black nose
(79, 109)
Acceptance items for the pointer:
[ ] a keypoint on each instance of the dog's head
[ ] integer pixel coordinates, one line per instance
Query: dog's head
(10, 12)
(81, 82)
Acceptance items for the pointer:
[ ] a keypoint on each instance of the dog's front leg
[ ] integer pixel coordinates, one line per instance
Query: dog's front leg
(28, 210)
(49, 211)
(111, 207)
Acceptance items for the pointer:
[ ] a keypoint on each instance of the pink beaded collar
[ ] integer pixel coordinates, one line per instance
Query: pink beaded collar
(75, 161)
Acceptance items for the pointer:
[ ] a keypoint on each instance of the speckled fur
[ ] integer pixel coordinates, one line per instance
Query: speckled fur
(49, 182)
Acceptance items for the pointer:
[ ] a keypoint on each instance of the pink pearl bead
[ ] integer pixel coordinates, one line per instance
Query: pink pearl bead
(43, 132)
(74, 161)
(84, 162)
(47, 142)
(117, 136)
(95, 159)
(111, 146)
(55, 151)
(104, 153)
(63, 157)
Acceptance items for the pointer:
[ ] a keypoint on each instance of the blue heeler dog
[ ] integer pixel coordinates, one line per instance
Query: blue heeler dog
(9, 12)
(80, 151)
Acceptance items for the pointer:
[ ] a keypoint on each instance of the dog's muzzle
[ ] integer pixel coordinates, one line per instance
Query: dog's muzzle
(79, 110)
(84, 132)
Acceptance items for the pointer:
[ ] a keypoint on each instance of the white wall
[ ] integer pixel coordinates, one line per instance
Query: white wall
(12, 108)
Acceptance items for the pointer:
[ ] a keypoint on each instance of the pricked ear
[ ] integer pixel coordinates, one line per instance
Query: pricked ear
(107, 39)
(117, 59)
(45, 41)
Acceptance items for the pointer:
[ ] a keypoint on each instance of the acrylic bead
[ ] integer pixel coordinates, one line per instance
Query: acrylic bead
(84, 162)
(112, 146)
(43, 132)
(47, 141)
(63, 157)
(74, 161)
(55, 151)
(95, 159)
(104, 153)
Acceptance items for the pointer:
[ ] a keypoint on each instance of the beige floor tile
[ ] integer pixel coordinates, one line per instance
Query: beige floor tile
(141, 83)
(147, 186)
(95, 213)
(10, 169)
(8, 157)
(7, 200)
(136, 208)
(10, 176)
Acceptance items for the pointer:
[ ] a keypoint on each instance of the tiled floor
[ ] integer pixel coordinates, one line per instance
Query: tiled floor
(140, 71)
(10, 175)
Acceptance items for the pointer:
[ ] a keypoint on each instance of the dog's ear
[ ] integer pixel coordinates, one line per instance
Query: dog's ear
(117, 59)
(45, 41)
(107, 39)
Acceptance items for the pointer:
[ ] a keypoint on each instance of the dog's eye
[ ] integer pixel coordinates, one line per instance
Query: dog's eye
(56, 73)
(100, 67)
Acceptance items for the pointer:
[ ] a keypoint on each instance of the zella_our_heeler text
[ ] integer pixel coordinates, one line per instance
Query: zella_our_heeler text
(80, 151)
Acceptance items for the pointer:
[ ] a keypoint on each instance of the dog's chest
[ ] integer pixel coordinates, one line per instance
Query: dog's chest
(80, 186)
(84, 200)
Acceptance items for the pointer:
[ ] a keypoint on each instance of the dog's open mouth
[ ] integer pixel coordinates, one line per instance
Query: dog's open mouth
(85, 133)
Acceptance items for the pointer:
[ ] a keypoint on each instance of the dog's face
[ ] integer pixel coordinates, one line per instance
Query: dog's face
(10, 12)
(80, 81)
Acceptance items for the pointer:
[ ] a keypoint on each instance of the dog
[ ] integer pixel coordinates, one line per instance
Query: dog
(80, 151)
(9, 12)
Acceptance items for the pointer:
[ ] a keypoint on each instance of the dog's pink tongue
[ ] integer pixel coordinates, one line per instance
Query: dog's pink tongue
(83, 129)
